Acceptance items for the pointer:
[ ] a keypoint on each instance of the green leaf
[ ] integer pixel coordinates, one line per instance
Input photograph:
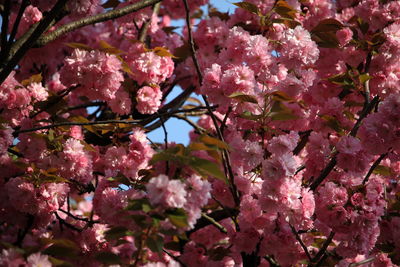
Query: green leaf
(121, 179)
(206, 168)
(110, 4)
(249, 7)
(364, 77)
(281, 96)
(216, 13)
(162, 52)
(155, 243)
(138, 204)
(79, 46)
(58, 262)
(208, 140)
(250, 116)
(341, 79)
(179, 154)
(333, 123)
(62, 248)
(284, 9)
(46, 177)
(383, 170)
(107, 48)
(37, 78)
(324, 34)
(244, 98)
(116, 233)
(182, 52)
(327, 25)
(108, 258)
(140, 220)
(283, 116)
(177, 217)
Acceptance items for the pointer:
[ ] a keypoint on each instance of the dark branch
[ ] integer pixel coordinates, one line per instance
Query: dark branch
(113, 14)
(376, 163)
(22, 45)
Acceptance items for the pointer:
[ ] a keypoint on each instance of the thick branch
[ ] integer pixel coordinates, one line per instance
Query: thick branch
(4, 26)
(113, 14)
(20, 47)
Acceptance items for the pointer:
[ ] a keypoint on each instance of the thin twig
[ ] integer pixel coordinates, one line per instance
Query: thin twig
(146, 25)
(354, 264)
(214, 223)
(14, 31)
(78, 218)
(376, 163)
(24, 232)
(217, 215)
(322, 250)
(325, 172)
(225, 154)
(71, 123)
(174, 257)
(191, 123)
(55, 100)
(332, 163)
(223, 124)
(113, 14)
(63, 222)
(364, 114)
(165, 142)
(298, 238)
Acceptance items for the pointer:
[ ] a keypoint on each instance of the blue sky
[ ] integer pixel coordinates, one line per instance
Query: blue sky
(177, 129)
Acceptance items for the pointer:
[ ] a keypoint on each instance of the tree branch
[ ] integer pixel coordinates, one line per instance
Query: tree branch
(376, 163)
(4, 27)
(298, 238)
(14, 30)
(332, 163)
(113, 14)
(145, 27)
(71, 123)
(22, 45)
(316, 260)
(225, 154)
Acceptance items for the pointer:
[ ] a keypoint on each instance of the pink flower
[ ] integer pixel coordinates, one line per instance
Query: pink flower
(37, 259)
(38, 92)
(22, 195)
(283, 143)
(148, 99)
(11, 258)
(165, 192)
(150, 68)
(122, 103)
(298, 48)
(344, 36)
(77, 162)
(31, 16)
(348, 145)
(98, 74)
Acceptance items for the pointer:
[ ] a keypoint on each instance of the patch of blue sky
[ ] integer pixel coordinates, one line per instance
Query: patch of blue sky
(178, 130)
